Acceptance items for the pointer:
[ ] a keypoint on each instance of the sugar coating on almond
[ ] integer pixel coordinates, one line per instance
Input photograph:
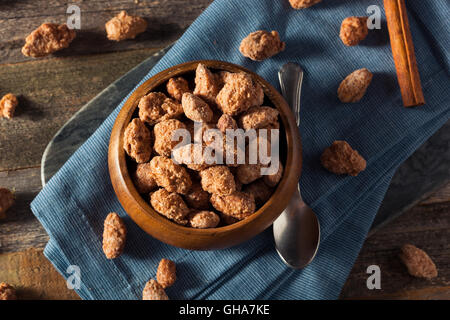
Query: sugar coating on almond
(353, 30)
(238, 205)
(154, 291)
(203, 219)
(195, 108)
(124, 26)
(418, 262)
(46, 39)
(8, 105)
(197, 198)
(114, 236)
(226, 122)
(170, 175)
(176, 87)
(206, 85)
(168, 135)
(261, 44)
(302, 4)
(259, 190)
(7, 292)
(218, 180)
(137, 141)
(239, 94)
(156, 107)
(143, 178)
(353, 88)
(272, 179)
(258, 117)
(171, 205)
(340, 158)
(166, 275)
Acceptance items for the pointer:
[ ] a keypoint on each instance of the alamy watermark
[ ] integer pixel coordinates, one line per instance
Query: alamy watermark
(74, 280)
(74, 20)
(374, 280)
(374, 20)
(235, 147)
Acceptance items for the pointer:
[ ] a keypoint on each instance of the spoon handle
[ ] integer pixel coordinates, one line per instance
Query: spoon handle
(291, 79)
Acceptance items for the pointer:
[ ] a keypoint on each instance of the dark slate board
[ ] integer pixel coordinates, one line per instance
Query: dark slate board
(423, 173)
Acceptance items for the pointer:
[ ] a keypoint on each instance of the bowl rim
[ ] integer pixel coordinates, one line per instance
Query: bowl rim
(149, 220)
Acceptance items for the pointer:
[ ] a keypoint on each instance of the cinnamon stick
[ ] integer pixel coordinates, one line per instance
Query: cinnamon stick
(403, 53)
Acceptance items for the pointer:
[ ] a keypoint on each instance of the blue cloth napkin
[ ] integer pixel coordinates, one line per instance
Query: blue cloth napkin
(75, 202)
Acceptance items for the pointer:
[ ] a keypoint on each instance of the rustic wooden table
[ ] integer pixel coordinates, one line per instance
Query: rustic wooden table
(52, 89)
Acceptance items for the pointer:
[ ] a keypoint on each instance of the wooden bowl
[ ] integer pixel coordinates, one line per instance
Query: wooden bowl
(203, 239)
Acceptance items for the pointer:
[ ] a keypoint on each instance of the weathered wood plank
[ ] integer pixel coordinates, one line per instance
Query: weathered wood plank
(442, 195)
(50, 92)
(21, 230)
(427, 227)
(430, 293)
(33, 276)
(167, 21)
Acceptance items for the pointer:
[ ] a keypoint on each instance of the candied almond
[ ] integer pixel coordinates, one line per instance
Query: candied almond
(354, 86)
(261, 44)
(124, 26)
(226, 122)
(203, 219)
(165, 133)
(206, 86)
(176, 87)
(239, 94)
(218, 180)
(197, 198)
(247, 173)
(353, 30)
(272, 179)
(166, 275)
(195, 108)
(170, 205)
(46, 39)
(258, 118)
(137, 141)
(170, 175)
(8, 105)
(239, 205)
(154, 291)
(143, 178)
(418, 262)
(259, 190)
(7, 292)
(302, 4)
(114, 236)
(156, 107)
(340, 158)
(191, 155)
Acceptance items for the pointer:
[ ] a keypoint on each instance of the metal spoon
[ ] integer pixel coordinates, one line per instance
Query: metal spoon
(296, 230)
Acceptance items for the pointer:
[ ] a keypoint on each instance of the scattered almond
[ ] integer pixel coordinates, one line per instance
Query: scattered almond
(114, 236)
(418, 263)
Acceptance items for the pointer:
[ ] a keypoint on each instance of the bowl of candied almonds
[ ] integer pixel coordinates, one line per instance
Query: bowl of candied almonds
(205, 155)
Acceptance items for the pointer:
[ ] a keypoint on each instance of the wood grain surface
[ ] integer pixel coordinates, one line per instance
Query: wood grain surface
(167, 20)
(34, 277)
(52, 89)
